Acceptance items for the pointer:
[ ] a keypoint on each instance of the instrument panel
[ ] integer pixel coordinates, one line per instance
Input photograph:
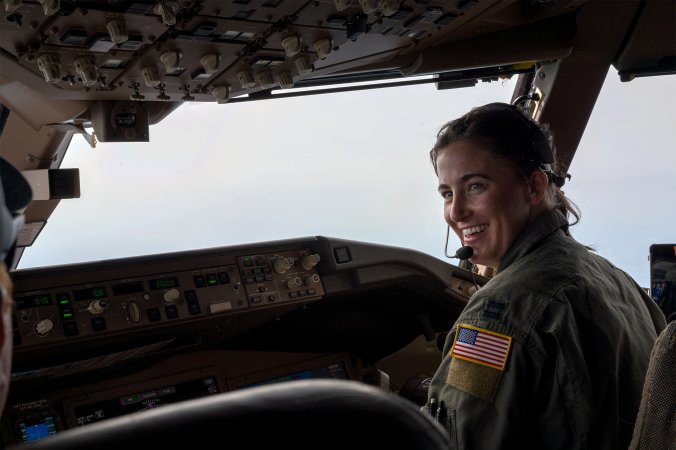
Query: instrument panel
(79, 302)
(103, 339)
(38, 415)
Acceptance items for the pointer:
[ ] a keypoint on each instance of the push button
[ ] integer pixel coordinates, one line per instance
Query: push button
(98, 323)
(199, 281)
(342, 255)
(70, 329)
(211, 279)
(154, 315)
(223, 278)
(193, 304)
(171, 311)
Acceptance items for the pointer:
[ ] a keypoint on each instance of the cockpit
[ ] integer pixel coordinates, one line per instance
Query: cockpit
(219, 187)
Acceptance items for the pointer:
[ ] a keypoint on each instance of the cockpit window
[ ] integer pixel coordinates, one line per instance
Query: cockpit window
(352, 165)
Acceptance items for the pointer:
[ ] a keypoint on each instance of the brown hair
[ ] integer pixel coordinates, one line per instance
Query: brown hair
(513, 136)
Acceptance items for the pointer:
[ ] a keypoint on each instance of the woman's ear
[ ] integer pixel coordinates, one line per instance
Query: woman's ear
(537, 184)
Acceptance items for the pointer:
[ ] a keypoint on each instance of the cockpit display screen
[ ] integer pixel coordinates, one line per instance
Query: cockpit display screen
(137, 401)
(335, 371)
(93, 293)
(33, 301)
(163, 283)
(36, 428)
(663, 277)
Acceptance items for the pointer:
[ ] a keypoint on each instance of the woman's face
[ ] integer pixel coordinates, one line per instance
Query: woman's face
(487, 202)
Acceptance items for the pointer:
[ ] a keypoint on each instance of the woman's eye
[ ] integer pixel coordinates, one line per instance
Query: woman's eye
(447, 195)
(474, 187)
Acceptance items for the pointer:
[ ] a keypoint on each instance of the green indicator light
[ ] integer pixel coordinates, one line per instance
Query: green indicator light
(64, 302)
(67, 316)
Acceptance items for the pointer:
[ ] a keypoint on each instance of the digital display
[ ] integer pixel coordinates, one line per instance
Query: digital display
(33, 301)
(663, 277)
(163, 283)
(125, 119)
(133, 402)
(34, 429)
(128, 288)
(93, 293)
(332, 371)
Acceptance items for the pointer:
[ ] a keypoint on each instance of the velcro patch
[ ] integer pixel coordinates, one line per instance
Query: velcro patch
(478, 359)
(493, 309)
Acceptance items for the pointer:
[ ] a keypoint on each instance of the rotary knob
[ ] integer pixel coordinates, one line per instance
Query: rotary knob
(97, 306)
(294, 282)
(170, 296)
(309, 261)
(283, 264)
(312, 280)
(43, 327)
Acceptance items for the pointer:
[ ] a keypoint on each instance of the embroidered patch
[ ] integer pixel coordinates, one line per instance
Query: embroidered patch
(478, 359)
(493, 309)
(481, 346)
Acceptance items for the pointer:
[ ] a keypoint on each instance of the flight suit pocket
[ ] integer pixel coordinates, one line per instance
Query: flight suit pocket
(447, 419)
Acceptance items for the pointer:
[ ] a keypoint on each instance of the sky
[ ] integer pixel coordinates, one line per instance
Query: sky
(352, 166)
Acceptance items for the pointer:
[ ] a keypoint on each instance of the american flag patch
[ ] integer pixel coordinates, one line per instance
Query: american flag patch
(481, 346)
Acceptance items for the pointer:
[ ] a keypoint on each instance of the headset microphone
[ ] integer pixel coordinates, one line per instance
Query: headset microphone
(464, 253)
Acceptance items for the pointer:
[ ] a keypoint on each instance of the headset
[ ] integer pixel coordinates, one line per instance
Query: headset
(542, 154)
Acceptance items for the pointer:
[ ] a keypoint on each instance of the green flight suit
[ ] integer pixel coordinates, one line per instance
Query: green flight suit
(568, 336)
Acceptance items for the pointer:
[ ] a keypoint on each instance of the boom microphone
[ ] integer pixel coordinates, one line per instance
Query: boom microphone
(464, 253)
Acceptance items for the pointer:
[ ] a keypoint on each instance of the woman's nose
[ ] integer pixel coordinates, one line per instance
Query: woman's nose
(457, 210)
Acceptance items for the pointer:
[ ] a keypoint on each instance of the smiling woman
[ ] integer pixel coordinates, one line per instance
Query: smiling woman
(549, 294)
(500, 163)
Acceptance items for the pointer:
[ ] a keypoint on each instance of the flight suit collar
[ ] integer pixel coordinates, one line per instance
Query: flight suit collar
(543, 226)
